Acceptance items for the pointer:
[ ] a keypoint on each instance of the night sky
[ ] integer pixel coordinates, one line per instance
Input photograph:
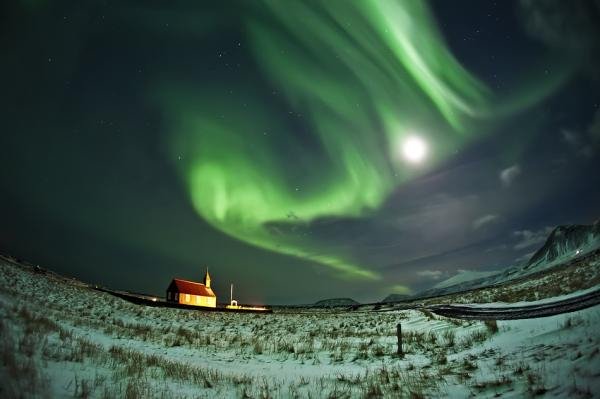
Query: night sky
(300, 150)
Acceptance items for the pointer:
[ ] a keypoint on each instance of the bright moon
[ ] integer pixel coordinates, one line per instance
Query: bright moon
(414, 149)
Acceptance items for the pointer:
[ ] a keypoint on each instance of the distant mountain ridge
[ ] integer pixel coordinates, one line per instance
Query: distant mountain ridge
(336, 302)
(565, 243)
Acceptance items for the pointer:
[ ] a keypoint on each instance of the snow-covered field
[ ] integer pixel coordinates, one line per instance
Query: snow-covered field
(61, 339)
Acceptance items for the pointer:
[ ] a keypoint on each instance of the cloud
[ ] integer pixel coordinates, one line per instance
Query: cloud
(508, 175)
(570, 137)
(484, 220)
(500, 247)
(528, 238)
(577, 143)
(524, 257)
(432, 274)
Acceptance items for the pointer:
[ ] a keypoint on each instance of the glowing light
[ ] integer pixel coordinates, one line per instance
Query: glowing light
(361, 90)
(414, 149)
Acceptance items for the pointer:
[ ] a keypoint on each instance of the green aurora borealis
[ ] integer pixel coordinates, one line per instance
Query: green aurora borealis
(358, 82)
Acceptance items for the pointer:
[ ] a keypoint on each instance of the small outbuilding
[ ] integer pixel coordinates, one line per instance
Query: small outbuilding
(187, 292)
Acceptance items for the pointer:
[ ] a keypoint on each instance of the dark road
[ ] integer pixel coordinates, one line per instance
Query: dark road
(518, 312)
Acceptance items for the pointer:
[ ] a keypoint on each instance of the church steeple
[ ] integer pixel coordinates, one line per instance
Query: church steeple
(207, 279)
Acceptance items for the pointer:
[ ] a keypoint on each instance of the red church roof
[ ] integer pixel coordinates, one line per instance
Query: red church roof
(189, 287)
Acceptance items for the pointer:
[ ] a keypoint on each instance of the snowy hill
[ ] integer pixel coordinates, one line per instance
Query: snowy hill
(463, 276)
(564, 245)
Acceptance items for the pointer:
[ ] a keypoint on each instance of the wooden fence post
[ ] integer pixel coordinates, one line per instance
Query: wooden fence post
(399, 333)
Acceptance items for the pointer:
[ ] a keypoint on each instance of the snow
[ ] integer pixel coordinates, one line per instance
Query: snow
(464, 276)
(68, 340)
(563, 349)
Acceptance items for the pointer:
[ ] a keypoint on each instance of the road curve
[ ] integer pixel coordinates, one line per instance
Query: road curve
(518, 312)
